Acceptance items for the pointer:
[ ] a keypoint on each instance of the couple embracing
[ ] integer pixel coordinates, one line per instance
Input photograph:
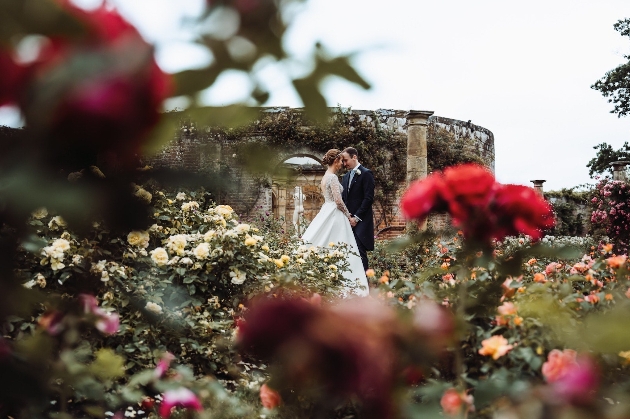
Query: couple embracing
(346, 215)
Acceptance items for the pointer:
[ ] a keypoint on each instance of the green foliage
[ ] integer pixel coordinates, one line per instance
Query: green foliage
(601, 163)
(615, 85)
(445, 149)
(571, 210)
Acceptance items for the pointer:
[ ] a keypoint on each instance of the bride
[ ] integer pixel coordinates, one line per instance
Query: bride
(332, 223)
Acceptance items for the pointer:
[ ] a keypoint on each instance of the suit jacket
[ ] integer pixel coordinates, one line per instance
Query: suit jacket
(358, 197)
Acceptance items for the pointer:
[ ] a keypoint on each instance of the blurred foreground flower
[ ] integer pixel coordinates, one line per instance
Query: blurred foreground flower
(483, 208)
(455, 403)
(269, 398)
(106, 322)
(333, 352)
(573, 378)
(99, 92)
(182, 397)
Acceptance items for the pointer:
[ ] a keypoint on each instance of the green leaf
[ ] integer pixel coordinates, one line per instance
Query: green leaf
(108, 365)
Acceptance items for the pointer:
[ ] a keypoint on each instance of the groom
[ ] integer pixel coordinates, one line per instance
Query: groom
(358, 195)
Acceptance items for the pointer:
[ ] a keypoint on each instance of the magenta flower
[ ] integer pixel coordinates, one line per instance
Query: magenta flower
(163, 364)
(107, 323)
(181, 397)
(578, 384)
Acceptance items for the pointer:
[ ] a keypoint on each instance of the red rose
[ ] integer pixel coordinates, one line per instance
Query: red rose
(424, 196)
(521, 210)
(468, 189)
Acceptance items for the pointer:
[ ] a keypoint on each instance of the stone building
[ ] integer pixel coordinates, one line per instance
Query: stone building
(194, 148)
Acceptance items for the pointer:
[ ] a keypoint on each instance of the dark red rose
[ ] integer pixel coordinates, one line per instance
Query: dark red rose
(334, 352)
(12, 80)
(423, 197)
(101, 93)
(521, 210)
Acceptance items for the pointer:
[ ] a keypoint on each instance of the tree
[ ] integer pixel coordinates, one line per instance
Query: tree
(601, 163)
(615, 85)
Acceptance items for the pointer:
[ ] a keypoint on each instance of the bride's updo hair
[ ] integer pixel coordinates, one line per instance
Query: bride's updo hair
(330, 156)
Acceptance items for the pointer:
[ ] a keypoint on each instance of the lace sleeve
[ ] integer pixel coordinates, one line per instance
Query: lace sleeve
(335, 188)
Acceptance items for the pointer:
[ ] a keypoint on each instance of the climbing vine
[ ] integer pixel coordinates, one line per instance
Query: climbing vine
(571, 209)
(257, 146)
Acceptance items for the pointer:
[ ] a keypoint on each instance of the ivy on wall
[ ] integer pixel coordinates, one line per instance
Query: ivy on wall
(445, 149)
(571, 209)
(259, 147)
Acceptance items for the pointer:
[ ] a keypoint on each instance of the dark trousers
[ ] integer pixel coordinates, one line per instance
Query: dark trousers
(362, 253)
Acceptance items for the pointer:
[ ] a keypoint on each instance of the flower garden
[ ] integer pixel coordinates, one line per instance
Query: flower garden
(133, 293)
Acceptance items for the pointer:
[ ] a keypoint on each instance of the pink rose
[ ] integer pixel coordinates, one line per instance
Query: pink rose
(182, 397)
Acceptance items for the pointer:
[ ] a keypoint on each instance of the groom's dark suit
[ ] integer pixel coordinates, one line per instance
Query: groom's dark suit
(358, 197)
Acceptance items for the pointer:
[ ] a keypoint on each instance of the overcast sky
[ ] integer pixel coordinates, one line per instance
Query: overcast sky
(523, 70)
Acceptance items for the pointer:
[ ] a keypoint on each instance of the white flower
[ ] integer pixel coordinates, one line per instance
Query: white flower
(189, 206)
(358, 172)
(153, 307)
(177, 244)
(30, 284)
(237, 276)
(186, 261)
(225, 211)
(138, 239)
(56, 264)
(242, 228)
(104, 276)
(77, 259)
(40, 280)
(181, 196)
(39, 213)
(56, 222)
(202, 251)
(159, 256)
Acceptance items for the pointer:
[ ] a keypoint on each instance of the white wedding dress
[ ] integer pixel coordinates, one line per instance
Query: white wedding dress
(331, 225)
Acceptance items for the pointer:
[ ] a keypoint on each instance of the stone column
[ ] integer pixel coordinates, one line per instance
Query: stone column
(417, 152)
(538, 185)
(417, 144)
(619, 170)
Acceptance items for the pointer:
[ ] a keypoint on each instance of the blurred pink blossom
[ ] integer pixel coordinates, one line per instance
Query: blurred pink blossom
(181, 397)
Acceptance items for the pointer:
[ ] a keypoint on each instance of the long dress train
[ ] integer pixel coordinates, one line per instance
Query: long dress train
(331, 225)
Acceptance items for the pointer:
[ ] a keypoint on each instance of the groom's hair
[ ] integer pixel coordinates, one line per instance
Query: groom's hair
(351, 151)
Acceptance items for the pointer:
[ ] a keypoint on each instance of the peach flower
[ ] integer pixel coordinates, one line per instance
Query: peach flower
(616, 261)
(558, 363)
(495, 346)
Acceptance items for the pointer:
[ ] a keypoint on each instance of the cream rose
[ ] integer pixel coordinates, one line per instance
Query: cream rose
(159, 256)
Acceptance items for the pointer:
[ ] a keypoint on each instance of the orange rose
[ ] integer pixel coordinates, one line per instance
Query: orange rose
(495, 346)
(540, 277)
(616, 261)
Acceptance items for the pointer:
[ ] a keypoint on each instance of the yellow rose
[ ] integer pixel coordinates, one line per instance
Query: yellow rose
(333, 267)
(279, 263)
(159, 256)
(285, 258)
(138, 239)
(265, 248)
(250, 241)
